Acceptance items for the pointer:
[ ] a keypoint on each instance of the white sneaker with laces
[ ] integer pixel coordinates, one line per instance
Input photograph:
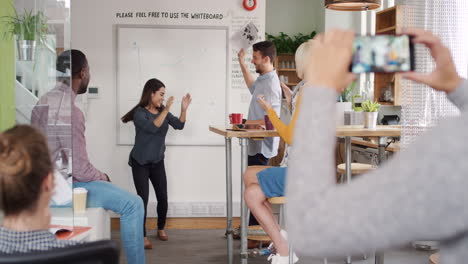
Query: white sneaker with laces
(284, 234)
(277, 259)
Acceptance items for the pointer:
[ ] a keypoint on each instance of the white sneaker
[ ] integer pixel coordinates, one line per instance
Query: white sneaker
(277, 259)
(285, 236)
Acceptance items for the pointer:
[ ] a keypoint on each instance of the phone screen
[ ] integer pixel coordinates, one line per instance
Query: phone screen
(382, 53)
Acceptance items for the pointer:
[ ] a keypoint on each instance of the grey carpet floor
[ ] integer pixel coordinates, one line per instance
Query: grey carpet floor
(209, 246)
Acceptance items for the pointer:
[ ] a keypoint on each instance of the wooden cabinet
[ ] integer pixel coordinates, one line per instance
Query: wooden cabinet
(390, 22)
(286, 66)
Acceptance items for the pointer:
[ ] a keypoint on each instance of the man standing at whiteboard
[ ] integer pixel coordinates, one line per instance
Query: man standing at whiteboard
(268, 85)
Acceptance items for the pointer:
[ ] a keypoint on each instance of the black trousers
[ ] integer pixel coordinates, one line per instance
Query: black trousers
(257, 160)
(156, 173)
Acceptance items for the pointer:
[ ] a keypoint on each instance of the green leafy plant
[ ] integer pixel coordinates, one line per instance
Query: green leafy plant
(346, 94)
(288, 45)
(26, 26)
(369, 106)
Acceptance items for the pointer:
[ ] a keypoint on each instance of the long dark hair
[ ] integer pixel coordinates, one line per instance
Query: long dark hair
(151, 86)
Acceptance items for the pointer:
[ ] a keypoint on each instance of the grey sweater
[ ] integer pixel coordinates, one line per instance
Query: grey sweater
(149, 139)
(420, 194)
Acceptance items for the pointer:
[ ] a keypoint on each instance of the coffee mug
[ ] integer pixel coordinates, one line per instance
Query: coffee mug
(79, 199)
(268, 124)
(235, 118)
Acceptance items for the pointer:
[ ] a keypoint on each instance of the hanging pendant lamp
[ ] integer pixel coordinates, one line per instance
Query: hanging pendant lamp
(352, 5)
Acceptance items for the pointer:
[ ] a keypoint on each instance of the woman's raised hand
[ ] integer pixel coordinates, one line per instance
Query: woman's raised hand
(169, 103)
(186, 100)
(264, 104)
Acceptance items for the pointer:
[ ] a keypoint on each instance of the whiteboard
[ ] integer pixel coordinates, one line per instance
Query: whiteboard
(187, 60)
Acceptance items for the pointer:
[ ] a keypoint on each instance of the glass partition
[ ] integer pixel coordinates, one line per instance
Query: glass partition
(42, 90)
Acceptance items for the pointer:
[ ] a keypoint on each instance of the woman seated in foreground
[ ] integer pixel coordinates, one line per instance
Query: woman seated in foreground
(26, 187)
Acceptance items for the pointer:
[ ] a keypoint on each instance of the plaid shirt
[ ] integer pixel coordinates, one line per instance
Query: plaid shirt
(27, 241)
(65, 115)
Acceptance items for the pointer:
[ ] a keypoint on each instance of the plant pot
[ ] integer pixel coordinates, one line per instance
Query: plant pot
(26, 49)
(341, 108)
(370, 120)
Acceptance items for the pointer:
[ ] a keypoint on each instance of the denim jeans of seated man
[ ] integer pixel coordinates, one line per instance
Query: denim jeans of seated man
(130, 208)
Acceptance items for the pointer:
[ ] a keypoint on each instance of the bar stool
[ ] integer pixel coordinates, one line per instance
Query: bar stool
(255, 232)
(356, 169)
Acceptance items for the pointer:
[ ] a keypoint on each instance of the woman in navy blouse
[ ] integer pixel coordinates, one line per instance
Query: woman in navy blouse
(152, 119)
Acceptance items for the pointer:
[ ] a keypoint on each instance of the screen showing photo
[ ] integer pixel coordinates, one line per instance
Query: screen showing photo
(381, 53)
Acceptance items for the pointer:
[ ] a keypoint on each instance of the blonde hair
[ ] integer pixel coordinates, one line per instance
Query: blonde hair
(24, 165)
(302, 58)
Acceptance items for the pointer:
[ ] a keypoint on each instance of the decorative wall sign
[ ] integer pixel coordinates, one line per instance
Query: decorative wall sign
(250, 5)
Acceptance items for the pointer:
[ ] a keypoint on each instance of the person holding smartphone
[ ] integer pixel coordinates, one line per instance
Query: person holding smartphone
(152, 120)
(419, 194)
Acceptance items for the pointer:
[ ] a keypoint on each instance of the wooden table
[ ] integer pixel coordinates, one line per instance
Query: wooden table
(382, 133)
(244, 136)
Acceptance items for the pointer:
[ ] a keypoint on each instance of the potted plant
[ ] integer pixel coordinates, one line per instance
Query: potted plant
(288, 45)
(29, 30)
(371, 110)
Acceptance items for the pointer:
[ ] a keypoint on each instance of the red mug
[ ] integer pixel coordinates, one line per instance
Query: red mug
(235, 118)
(268, 124)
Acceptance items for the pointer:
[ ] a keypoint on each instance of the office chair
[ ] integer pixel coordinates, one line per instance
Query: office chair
(98, 252)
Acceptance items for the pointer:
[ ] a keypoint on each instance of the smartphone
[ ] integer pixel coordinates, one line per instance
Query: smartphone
(383, 53)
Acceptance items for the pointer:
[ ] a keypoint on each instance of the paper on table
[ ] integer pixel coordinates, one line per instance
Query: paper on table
(62, 191)
(244, 38)
(77, 233)
(54, 229)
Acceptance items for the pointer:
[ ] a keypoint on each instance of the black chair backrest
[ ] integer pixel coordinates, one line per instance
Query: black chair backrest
(99, 252)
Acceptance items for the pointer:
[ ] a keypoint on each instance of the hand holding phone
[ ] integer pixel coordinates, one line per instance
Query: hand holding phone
(445, 76)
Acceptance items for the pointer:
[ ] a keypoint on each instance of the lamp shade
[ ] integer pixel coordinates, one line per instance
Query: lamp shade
(352, 5)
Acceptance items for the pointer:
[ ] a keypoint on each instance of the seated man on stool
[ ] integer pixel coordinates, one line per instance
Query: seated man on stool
(101, 193)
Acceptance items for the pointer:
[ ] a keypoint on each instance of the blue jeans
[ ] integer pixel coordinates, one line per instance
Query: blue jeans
(128, 206)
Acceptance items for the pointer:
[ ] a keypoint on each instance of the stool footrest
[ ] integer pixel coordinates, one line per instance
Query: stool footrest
(356, 168)
(256, 230)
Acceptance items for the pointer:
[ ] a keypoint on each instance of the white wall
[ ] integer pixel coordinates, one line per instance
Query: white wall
(343, 20)
(196, 174)
(294, 16)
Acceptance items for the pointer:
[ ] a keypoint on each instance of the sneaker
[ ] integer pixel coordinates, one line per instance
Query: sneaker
(277, 259)
(285, 236)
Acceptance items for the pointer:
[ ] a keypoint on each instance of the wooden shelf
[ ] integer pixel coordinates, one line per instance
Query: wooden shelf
(394, 147)
(388, 10)
(388, 21)
(289, 73)
(386, 30)
(385, 103)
